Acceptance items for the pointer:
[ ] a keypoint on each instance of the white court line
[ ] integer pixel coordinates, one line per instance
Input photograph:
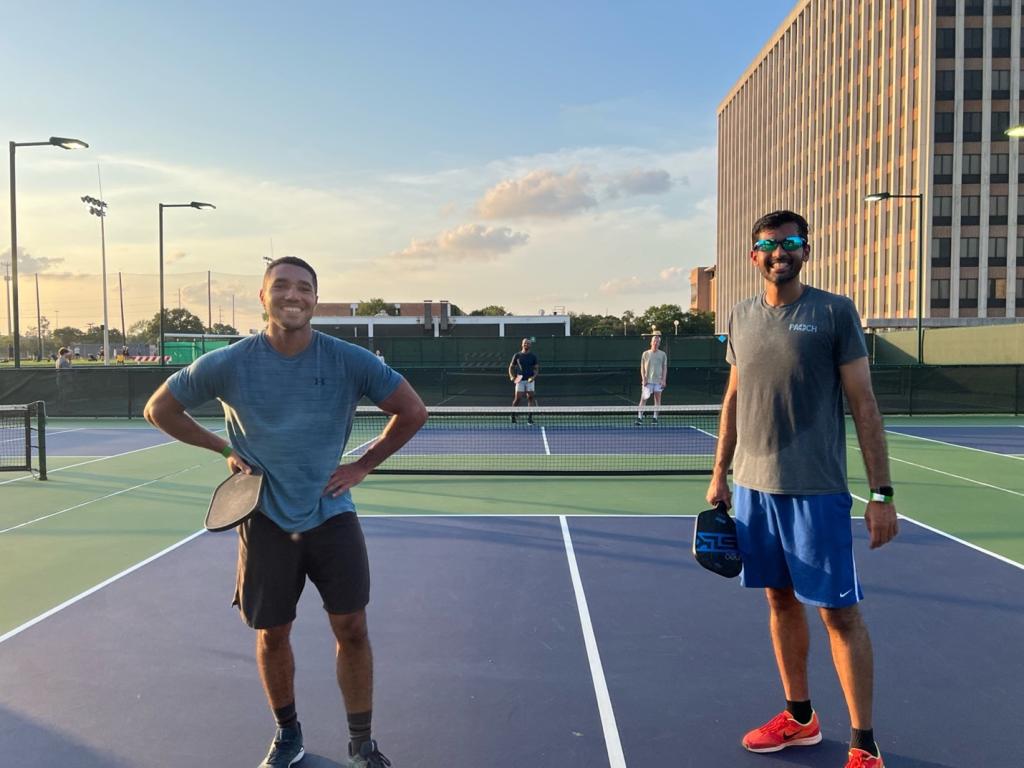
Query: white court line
(950, 474)
(616, 758)
(52, 432)
(951, 445)
(99, 498)
(101, 585)
(102, 458)
(544, 437)
(951, 537)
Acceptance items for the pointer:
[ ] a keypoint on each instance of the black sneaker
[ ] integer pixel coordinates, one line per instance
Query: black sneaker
(369, 757)
(529, 419)
(286, 749)
(654, 421)
(513, 418)
(639, 421)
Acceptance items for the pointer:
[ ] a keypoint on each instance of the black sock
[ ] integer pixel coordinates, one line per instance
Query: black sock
(358, 730)
(286, 717)
(864, 740)
(800, 710)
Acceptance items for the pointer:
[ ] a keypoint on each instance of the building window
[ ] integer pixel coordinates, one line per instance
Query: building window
(941, 249)
(944, 126)
(944, 169)
(942, 210)
(1020, 209)
(945, 43)
(997, 288)
(972, 126)
(968, 292)
(945, 85)
(1020, 250)
(1000, 168)
(997, 209)
(968, 252)
(974, 8)
(970, 209)
(971, 171)
(974, 43)
(997, 251)
(1000, 122)
(1001, 7)
(1001, 42)
(972, 84)
(940, 293)
(1000, 84)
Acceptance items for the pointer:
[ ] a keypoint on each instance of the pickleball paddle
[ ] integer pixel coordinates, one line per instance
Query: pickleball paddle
(234, 501)
(714, 542)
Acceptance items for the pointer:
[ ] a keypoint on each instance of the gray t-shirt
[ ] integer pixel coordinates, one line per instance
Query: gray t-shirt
(289, 417)
(791, 433)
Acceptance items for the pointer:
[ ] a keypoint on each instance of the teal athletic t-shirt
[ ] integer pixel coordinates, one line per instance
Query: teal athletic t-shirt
(289, 417)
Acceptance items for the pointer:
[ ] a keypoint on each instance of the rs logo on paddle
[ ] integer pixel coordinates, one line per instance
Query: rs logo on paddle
(721, 543)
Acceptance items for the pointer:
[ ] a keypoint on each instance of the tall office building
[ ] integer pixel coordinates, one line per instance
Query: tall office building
(910, 97)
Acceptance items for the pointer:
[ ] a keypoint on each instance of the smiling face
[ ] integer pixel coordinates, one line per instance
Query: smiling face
(780, 266)
(288, 297)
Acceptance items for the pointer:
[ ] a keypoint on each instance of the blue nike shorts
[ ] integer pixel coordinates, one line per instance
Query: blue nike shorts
(803, 542)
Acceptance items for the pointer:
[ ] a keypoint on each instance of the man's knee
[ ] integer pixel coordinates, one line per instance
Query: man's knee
(782, 600)
(274, 638)
(842, 621)
(349, 627)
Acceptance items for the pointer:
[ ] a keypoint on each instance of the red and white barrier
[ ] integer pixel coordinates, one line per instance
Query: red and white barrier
(150, 358)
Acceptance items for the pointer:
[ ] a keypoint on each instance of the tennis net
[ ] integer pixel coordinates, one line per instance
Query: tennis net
(585, 440)
(23, 438)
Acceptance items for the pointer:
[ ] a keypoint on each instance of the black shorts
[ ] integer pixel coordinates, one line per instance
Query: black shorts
(273, 566)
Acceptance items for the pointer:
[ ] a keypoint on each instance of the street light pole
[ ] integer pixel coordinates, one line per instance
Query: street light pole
(54, 141)
(919, 197)
(198, 206)
(99, 208)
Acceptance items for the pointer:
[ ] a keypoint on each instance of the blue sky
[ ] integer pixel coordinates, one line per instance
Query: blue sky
(531, 155)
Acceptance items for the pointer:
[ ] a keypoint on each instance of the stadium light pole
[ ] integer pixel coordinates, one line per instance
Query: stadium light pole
(198, 206)
(878, 197)
(53, 141)
(99, 208)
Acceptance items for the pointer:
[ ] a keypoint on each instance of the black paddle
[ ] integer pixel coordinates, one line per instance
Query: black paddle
(234, 501)
(714, 542)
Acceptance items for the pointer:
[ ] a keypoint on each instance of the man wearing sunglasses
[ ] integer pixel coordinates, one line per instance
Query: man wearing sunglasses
(794, 351)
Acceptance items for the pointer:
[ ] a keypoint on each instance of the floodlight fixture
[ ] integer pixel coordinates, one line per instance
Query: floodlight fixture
(65, 143)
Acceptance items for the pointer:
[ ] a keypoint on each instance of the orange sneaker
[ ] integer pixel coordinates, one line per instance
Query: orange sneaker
(783, 731)
(861, 759)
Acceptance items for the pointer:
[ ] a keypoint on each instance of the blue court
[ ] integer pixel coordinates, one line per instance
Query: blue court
(491, 652)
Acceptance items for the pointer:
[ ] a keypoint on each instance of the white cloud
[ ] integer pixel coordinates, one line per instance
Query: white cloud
(671, 278)
(655, 182)
(542, 193)
(29, 264)
(466, 243)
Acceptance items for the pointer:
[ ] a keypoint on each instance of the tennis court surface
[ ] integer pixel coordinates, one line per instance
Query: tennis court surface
(516, 621)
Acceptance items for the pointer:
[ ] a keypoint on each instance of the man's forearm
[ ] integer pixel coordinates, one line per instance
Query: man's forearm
(399, 430)
(185, 429)
(726, 437)
(871, 436)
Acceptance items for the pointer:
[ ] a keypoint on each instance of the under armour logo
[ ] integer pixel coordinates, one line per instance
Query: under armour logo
(319, 381)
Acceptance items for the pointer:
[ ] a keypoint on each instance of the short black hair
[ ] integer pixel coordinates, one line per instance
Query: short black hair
(295, 261)
(776, 219)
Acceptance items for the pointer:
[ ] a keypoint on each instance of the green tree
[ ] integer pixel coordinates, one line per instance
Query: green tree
(223, 328)
(492, 310)
(67, 336)
(661, 317)
(175, 321)
(374, 307)
(698, 324)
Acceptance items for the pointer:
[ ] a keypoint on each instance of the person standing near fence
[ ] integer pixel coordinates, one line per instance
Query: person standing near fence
(794, 351)
(289, 397)
(653, 377)
(522, 371)
(63, 359)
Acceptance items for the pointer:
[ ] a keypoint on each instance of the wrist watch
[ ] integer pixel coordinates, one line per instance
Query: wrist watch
(882, 493)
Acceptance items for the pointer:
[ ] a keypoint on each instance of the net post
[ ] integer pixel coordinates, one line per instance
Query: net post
(41, 427)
